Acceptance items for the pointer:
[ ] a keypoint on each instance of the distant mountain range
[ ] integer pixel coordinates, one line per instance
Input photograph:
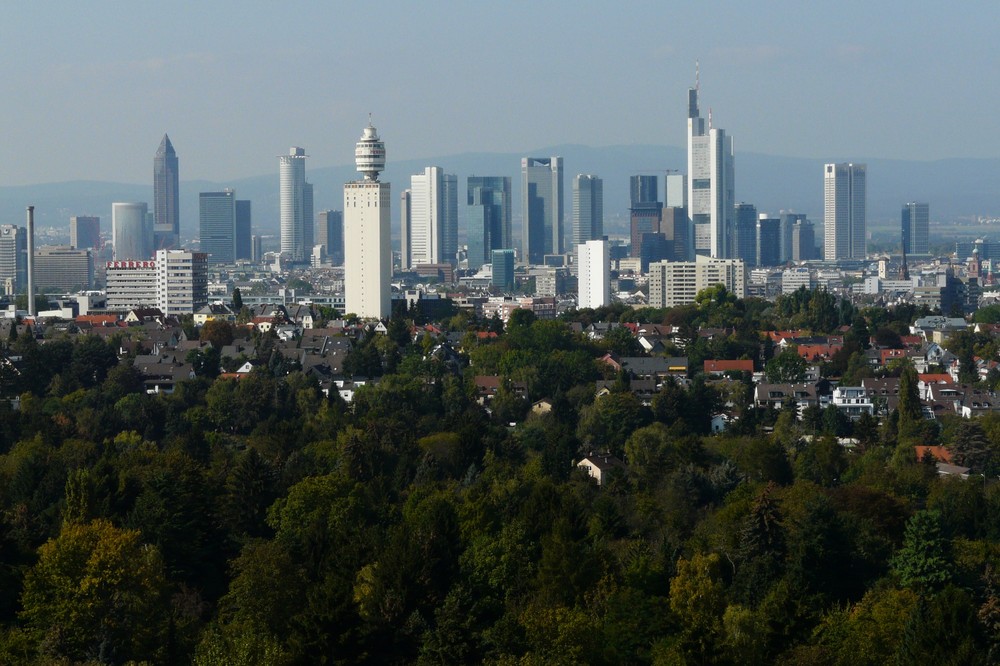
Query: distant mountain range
(955, 188)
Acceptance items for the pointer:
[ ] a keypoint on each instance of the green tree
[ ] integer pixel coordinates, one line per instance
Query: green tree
(237, 300)
(911, 415)
(698, 599)
(218, 332)
(923, 562)
(787, 366)
(96, 593)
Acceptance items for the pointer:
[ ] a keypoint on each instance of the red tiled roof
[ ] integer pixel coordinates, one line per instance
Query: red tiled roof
(729, 366)
(939, 452)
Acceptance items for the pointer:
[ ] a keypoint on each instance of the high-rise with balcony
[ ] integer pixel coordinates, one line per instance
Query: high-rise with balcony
(166, 197)
(541, 208)
(711, 183)
(293, 203)
(367, 242)
(915, 219)
(844, 211)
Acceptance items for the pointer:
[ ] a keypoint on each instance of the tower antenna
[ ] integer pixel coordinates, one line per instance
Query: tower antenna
(709, 117)
(697, 76)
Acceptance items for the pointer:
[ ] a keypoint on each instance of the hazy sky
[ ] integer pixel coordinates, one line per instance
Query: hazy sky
(87, 89)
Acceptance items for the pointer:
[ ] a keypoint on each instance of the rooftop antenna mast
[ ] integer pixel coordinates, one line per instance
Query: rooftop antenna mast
(697, 76)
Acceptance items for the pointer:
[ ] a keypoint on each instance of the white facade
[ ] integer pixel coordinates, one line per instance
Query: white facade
(594, 279)
(588, 208)
(792, 279)
(367, 243)
(176, 283)
(711, 193)
(426, 216)
(131, 284)
(844, 214)
(131, 233)
(678, 282)
(181, 281)
(292, 181)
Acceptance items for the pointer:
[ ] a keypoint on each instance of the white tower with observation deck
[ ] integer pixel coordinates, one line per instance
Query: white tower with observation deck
(367, 244)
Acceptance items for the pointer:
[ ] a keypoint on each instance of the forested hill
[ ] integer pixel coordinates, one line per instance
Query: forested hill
(254, 520)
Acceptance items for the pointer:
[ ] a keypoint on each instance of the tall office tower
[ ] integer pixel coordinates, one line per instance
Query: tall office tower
(674, 227)
(803, 241)
(788, 222)
(330, 234)
(588, 208)
(131, 234)
(292, 177)
(745, 234)
(487, 217)
(541, 208)
(13, 258)
(367, 242)
(85, 232)
(711, 178)
(594, 274)
(844, 199)
(676, 192)
(768, 241)
(62, 268)
(916, 226)
(308, 219)
(433, 232)
(244, 219)
(181, 281)
(498, 196)
(256, 249)
(645, 211)
(503, 269)
(405, 229)
(166, 197)
(217, 224)
(449, 221)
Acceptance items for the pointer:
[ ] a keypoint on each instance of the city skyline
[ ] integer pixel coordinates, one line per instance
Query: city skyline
(216, 97)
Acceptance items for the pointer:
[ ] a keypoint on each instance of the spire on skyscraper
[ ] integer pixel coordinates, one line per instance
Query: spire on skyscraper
(166, 148)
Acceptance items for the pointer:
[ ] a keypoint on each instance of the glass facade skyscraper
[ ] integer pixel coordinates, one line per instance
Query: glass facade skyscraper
(541, 208)
(217, 225)
(166, 197)
(915, 219)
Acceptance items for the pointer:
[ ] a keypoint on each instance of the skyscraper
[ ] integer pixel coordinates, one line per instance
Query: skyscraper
(433, 224)
(499, 187)
(788, 222)
(803, 241)
(367, 242)
(292, 178)
(745, 234)
(132, 235)
(768, 241)
(330, 234)
(588, 208)
(217, 225)
(645, 211)
(541, 208)
(711, 178)
(844, 199)
(166, 197)
(244, 233)
(487, 217)
(85, 232)
(916, 227)
(594, 274)
(13, 258)
(405, 233)
(503, 269)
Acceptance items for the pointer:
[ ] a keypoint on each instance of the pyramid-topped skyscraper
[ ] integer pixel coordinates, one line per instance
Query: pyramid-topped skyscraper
(166, 199)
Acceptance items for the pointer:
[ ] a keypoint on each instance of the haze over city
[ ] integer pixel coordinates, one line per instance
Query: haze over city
(89, 91)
